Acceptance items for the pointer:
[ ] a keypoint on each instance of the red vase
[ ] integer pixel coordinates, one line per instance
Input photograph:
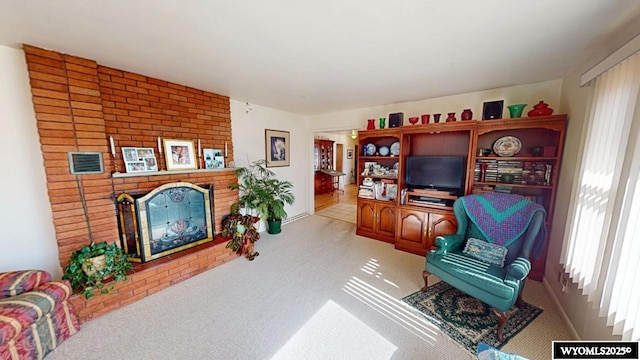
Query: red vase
(436, 118)
(467, 114)
(541, 109)
(451, 117)
(425, 119)
(371, 124)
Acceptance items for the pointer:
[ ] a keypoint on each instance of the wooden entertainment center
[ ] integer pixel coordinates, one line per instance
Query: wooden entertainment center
(413, 225)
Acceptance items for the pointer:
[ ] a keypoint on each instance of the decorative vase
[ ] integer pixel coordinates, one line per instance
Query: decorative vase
(467, 114)
(541, 109)
(515, 111)
(382, 121)
(533, 178)
(425, 119)
(507, 178)
(451, 117)
(371, 124)
(413, 120)
(537, 151)
(436, 118)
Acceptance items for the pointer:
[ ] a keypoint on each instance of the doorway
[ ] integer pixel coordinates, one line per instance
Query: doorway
(348, 197)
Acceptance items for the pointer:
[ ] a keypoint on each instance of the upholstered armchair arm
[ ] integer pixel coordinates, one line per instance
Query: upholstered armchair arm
(449, 243)
(17, 282)
(518, 269)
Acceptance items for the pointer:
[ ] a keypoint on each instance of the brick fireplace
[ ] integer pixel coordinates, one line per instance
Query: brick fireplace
(79, 104)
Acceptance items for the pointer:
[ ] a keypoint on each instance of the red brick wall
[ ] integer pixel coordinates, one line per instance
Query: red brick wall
(79, 104)
(153, 279)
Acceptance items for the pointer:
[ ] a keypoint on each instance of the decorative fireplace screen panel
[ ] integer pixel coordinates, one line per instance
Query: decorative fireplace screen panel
(171, 218)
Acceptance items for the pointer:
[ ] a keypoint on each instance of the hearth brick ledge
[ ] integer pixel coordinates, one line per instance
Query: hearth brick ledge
(157, 275)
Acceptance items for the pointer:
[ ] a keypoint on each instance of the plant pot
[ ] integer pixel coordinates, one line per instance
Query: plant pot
(275, 226)
(94, 265)
(259, 225)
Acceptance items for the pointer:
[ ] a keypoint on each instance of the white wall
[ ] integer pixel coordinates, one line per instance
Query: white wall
(530, 94)
(28, 237)
(581, 314)
(248, 131)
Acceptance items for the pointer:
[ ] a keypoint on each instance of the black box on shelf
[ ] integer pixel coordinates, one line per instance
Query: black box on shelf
(396, 119)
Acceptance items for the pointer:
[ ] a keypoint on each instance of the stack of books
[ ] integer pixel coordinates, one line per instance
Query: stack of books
(486, 171)
(366, 191)
(511, 167)
(503, 189)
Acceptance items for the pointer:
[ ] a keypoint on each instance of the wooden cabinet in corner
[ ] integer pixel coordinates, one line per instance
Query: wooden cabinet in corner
(377, 219)
(417, 230)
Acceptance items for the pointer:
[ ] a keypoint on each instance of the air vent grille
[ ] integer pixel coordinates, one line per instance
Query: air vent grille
(85, 163)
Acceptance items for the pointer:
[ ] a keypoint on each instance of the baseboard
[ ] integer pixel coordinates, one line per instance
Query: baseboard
(560, 310)
(294, 218)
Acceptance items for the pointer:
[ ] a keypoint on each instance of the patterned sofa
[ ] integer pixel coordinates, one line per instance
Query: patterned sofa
(35, 315)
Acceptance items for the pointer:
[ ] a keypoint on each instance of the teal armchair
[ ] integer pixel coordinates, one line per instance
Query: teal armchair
(504, 221)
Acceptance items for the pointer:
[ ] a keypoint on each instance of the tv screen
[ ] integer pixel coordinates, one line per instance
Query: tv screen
(436, 172)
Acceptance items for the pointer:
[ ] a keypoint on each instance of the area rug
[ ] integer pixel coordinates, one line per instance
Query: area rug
(466, 320)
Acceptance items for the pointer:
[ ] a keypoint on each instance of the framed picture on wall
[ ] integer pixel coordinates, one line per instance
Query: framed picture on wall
(139, 159)
(277, 148)
(180, 154)
(349, 153)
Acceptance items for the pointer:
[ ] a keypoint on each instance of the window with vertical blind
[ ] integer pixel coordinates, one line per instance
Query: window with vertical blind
(601, 249)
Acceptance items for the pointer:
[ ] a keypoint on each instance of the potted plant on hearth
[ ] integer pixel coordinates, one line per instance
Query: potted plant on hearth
(97, 266)
(92, 266)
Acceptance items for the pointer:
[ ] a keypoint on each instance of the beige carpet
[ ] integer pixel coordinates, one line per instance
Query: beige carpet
(342, 211)
(317, 291)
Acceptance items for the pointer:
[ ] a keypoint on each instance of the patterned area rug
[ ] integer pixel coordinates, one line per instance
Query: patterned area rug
(466, 320)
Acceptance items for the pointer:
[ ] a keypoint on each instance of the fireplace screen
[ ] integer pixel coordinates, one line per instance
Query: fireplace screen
(170, 218)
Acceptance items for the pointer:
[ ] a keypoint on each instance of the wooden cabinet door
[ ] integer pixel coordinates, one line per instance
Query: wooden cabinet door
(440, 224)
(386, 220)
(412, 233)
(366, 216)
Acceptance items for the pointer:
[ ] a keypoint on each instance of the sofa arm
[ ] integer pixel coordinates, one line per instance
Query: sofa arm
(21, 311)
(17, 282)
(449, 243)
(518, 269)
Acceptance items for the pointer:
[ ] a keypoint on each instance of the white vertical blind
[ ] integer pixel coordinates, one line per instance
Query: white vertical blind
(604, 202)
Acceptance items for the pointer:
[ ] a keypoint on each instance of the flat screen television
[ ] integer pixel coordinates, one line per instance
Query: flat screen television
(444, 173)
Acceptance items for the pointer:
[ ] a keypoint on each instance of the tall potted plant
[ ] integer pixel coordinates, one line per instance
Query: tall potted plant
(250, 185)
(275, 194)
(262, 194)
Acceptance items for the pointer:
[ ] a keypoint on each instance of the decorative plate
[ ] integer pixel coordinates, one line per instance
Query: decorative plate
(370, 150)
(384, 151)
(395, 149)
(507, 146)
(395, 166)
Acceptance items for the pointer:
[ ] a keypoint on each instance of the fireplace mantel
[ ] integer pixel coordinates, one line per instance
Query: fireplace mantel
(165, 172)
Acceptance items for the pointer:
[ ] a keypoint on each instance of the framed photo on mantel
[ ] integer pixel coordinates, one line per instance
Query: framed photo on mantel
(139, 159)
(180, 154)
(213, 159)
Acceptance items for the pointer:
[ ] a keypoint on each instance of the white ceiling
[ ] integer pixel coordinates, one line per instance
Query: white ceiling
(312, 57)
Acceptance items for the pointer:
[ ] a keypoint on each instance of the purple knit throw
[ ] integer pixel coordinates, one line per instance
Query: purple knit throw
(502, 218)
